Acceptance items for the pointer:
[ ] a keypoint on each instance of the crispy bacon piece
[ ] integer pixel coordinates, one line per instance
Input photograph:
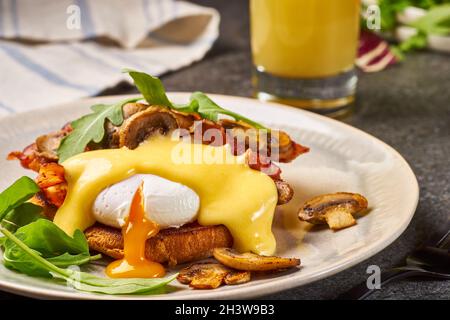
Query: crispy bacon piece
(277, 144)
(288, 148)
(52, 183)
(42, 151)
(28, 158)
(210, 132)
(258, 162)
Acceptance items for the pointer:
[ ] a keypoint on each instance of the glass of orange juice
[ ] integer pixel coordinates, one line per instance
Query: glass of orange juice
(304, 52)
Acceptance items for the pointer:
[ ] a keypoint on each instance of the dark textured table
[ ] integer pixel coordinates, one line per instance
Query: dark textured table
(407, 106)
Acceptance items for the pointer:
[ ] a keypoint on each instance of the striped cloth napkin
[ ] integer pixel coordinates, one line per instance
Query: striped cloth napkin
(53, 52)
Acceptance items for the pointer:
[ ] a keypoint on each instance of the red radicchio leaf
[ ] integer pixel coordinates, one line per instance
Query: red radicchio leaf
(374, 53)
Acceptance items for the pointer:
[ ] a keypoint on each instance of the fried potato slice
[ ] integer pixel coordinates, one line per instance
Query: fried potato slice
(335, 209)
(211, 276)
(252, 262)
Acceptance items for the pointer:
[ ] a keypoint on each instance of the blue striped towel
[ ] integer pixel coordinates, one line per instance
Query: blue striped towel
(53, 52)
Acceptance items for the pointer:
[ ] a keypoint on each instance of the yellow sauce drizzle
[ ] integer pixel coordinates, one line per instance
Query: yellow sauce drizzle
(230, 193)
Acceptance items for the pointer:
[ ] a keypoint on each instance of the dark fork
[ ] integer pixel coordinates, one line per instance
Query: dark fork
(426, 262)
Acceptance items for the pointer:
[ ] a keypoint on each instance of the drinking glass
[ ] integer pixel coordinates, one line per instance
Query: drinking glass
(304, 52)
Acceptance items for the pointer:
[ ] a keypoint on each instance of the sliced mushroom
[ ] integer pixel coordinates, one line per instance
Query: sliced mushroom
(237, 277)
(336, 209)
(211, 276)
(112, 131)
(48, 144)
(145, 123)
(285, 192)
(133, 107)
(203, 275)
(252, 262)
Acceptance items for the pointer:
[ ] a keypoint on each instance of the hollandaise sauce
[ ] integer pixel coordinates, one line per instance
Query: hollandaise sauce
(135, 234)
(231, 193)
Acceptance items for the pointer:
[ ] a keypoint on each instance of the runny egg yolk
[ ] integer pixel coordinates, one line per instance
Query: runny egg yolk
(135, 234)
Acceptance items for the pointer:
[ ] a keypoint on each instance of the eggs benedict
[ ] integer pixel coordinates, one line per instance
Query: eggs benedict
(136, 197)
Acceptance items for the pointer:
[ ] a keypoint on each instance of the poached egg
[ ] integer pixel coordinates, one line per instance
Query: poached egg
(166, 203)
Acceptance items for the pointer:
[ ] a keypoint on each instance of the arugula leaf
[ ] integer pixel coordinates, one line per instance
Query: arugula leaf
(151, 88)
(41, 235)
(50, 242)
(192, 106)
(154, 93)
(22, 215)
(85, 281)
(91, 127)
(40, 248)
(210, 110)
(16, 194)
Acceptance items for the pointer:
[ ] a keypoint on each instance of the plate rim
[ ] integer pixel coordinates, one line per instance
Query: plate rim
(255, 290)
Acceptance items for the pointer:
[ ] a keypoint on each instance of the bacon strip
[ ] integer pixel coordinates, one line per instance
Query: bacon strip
(52, 183)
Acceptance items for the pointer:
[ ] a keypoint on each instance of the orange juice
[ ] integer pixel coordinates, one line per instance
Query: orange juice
(304, 38)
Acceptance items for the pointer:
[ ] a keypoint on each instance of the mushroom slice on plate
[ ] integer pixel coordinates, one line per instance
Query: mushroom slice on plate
(252, 262)
(335, 209)
(285, 192)
(237, 277)
(143, 124)
(210, 276)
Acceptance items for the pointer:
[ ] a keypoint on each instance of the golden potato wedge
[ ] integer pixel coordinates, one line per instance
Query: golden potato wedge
(237, 277)
(252, 262)
(335, 209)
(203, 275)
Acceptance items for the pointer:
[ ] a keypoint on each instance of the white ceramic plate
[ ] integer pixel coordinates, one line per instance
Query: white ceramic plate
(342, 158)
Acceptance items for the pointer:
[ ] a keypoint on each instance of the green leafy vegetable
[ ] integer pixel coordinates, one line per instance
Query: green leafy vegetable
(151, 88)
(85, 281)
(417, 41)
(436, 21)
(50, 242)
(390, 8)
(154, 93)
(91, 128)
(21, 216)
(41, 249)
(210, 110)
(16, 194)
(40, 235)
